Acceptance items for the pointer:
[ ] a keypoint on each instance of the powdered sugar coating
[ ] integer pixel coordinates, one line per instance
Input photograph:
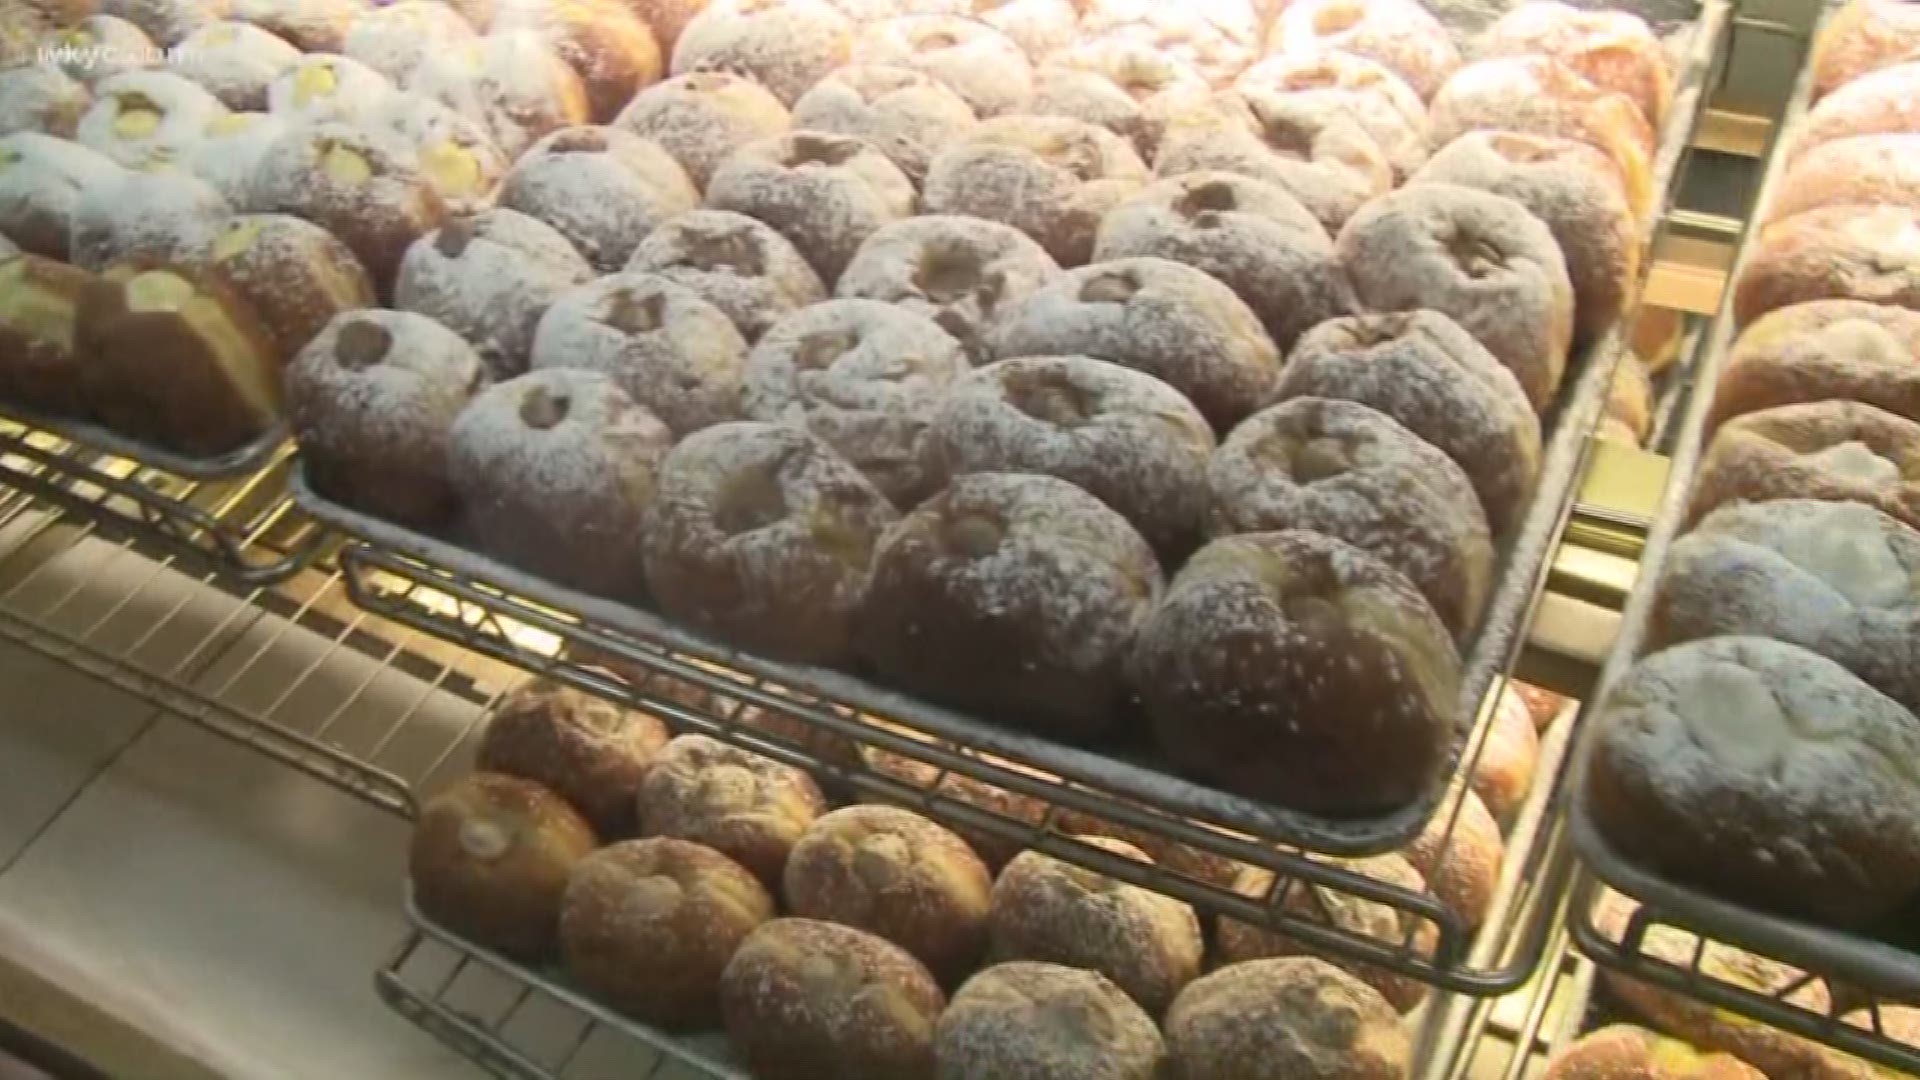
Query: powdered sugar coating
(1039, 26)
(784, 45)
(1015, 596)
(42, 182)
(1252, 236)
(167, 22)
(604, 189)
(1862, 37)
(118, 126)
(40, 333)
(864, 376)
(1477, 258)
(99, 47)
(806, 999)
(397, 39)
(671, 351)
(960, 272)
(1432, 377)
(701, 119)
(489, 278)
(158, 216)
(457, 156)
(1400, 35)
(1217, 38)
(1834, 253)
(585, 749)
(1612, 49)
(233, 61)
(42, 98)
(1813, 451)
(378, 215)
(826, 193)
(1170, 321)
(229, 153)
(372, 400)
(311, 26)
(604, 41)
(905, 114)
(1128, 439)
(1024, 1020)
(997, 850)
(1819, 351)
(1760, 770)
(735, 263)
(982, 65)
(295, 275)
(511, 82)
(1862, 170)
(1460, 853)
(1881, 102)
(749, 808)
(322, 87)
(1052, 911)
(1127, 87)
(1050, 177)
(1369, 94)
(1296, 1016)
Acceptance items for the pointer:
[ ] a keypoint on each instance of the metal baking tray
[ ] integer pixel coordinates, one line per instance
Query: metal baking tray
(248, 458)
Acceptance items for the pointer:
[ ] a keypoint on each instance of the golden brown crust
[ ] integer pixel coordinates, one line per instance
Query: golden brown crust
(1833, 253)
(1865, 170)
(40, 362)
(1833, 450)
(1032, 1021)
(588, 751)
(1862, 37)
(1626, 1052)
(1823, 350)
(1459, 853)
(993, 848)
(1886, 102)
(294, 273)
(1503, 773)
(607, 45)
(745, 806)
(1615, 50)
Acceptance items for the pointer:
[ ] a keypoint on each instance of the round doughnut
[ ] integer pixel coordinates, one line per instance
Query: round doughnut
(784, 45)
(42, 183)
(1863, 36)
(42, 98)
(1127, 87)
(607, 45)
(1622, 1049)
(1460, 853)
(1252, 236)
(321, 87)
(739, 265)
(229, 153)
(827, 193)
(166, 22)
(749, 808)
(1291, 1016)
(490, 858)
(762, 535)
(456, 154)
(40, 299)
(1885, 102)
(512, 83)
(1630, 400)
(604, 189)
(373, 399)
(1217, 38)
(1818, 351)
(1861, 170)
(1346, 685)
(99, 47)
(1504, 769)
(1614, 50)
(960, 272)
(159, 216)
(398, 39)
(649, 925)
(1833, 450)
(1159, 317)
(865, 377)
(989, 72)
(1368, 93)
(934, 782)
(701, 119)
(1400, 35)
(556, 471)
(234, 61)
(1421, 369)
(1024, 1020)
(1015, 596)
(311, 26)
(905, 114)
(1759, 770)
(1128, 439)
(584, 749)
(146, 119)
(1044, 909)
(293, 273)
(1476, 257)
(1834, 253)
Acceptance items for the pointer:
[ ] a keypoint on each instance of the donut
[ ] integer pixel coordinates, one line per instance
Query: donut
(98, 47)
(146, 119)
(989, 72)
(372, 400)
(826, 193)
(1170, 321)
(701, 119)
(1573, 190)
(905, 114)
(234, 61)
(604, 189)
(863, 376)
(229, 153)
(1614, 50)
(40, 300)
(1128, 439)
(1024, 1020)
(311, 26)
(42, 98)
(1818, 351)
(1754, 769)
(804, 999)
(1041, 27)
(1476, 257)
(666, 18)
(932, 782)
(1284, 1017)
(512, 83)
(555, 471)
(457, 156)
(649, 925)
(784, 45)
(588, 751)
(960, 272)
(1460, 853)
(166, 22)
(1831, 577)
(1354, 474)
(1400, 35)
(896, 874)
(1050, 177)
(1252, 236)
(1833, 253)
(1423, 371)
(1014, 596)
(1630, 400)
(1056, 912)
(1299, 733)
(490, 858)
(1863, 36)
(42, 182)
(1370, 94)
(1833, 450)
(1127, 87)
(1885, 102)
(363, 186)
(321, 88)
(739, 265)
(749, 808)
(607, 45)
(1537, 95)
(161, 217)
(1860, 170)
(1239, 942)
(1217, 38)
(397, 40)
(1504, 766)
(489, 278)
(293, 274)
(1623, 1049)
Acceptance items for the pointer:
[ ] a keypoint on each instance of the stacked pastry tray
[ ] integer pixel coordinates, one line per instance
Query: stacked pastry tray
(1861, 973)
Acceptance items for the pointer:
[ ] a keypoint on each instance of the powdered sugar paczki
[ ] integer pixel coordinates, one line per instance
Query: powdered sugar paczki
(702, 118)
(826, 193)
(156, 215)
(604, 189)
(785, 45)
(229, 153)
(233, 61)
(322, 88)
(905, 114)
(961, 272)
(735, 263)
(147, 119)
(397, 39)
(512, 83)
(42, 182)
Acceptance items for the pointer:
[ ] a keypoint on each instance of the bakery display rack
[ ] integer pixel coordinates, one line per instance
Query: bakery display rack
(1864, 974)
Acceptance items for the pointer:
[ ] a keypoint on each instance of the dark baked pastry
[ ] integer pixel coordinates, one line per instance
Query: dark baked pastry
(146, 119)
(1024, 1020)
(556, 472)
(584, 749)
(1614, 50)
(1016, 596)
(1279, 617)
(1400, 35)
(749, 808)
(762, 535)
(733, 262)
(961, 272)
(1834, 253)
(701, 119)
(989, 72)
(1476, 257)
(156, 216)
(1836, 450)
(827, 193)
(604, 41)
(1422, 370)
(373, 399)
(905, 114)
(1286, 1017)
(40, 301)
(1128, 439)
(1820, 351)
(784, 45)
(233, 61)
(1153, 315)
(41, 98)
(1372, 95)
(672, 352)
(293, 273)
(1127, 87)
(1762, 771)
(42, 180)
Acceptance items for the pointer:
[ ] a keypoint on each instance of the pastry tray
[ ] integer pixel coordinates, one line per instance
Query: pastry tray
(240, 461)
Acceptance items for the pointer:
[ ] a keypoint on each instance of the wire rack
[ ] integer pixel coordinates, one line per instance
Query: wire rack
(1512, 1037)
